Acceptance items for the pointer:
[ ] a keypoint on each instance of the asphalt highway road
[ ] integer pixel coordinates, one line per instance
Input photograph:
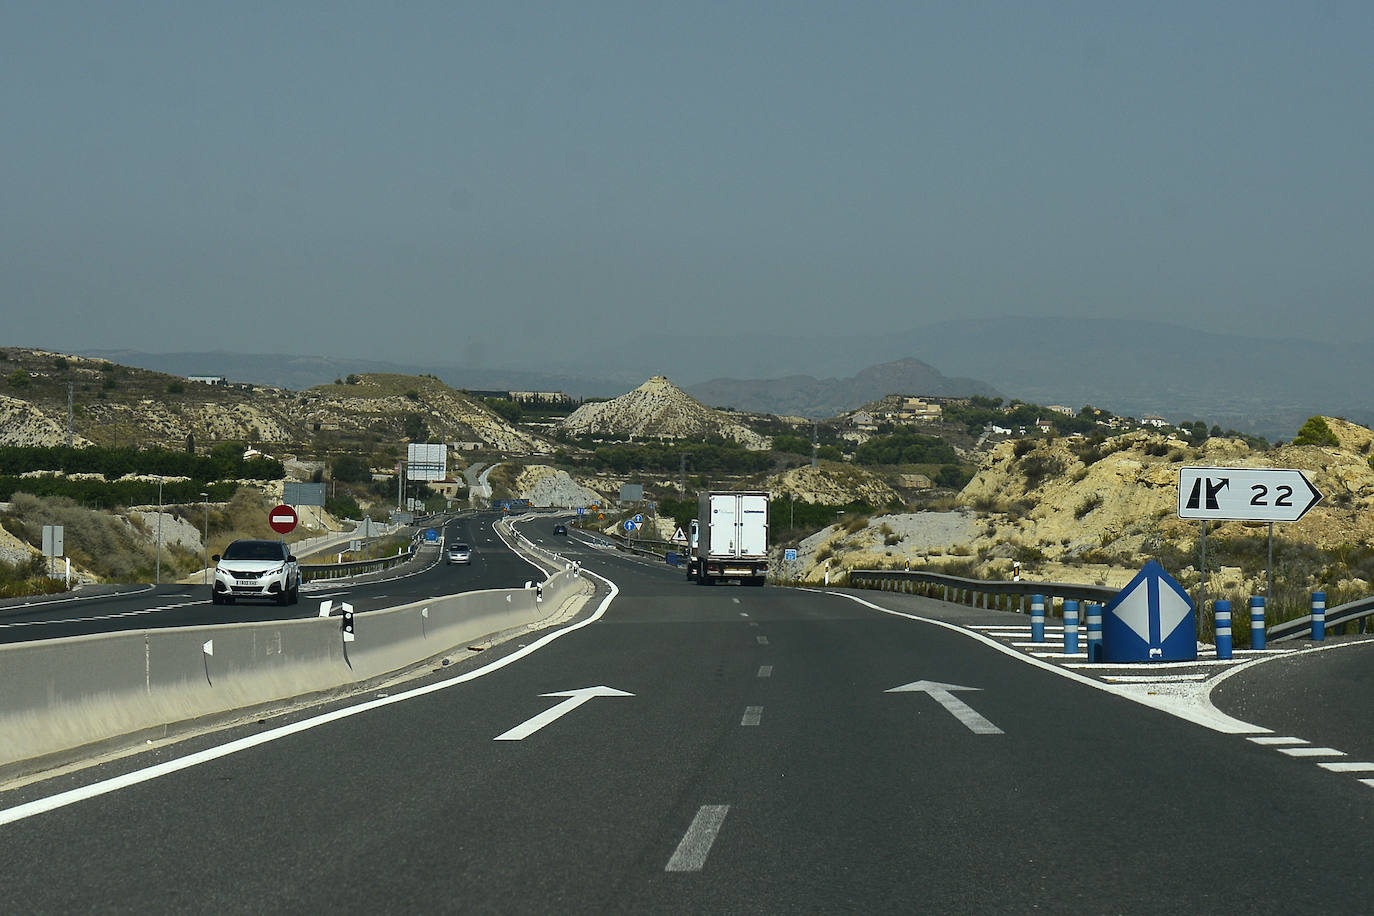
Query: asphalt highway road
(493, 566)
(749, 755)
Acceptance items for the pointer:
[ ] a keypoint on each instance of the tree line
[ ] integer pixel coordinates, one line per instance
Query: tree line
(223, 462)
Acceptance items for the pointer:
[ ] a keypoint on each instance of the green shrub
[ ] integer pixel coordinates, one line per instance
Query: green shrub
(1316, 432)
(1037, 468)
(1088, 505)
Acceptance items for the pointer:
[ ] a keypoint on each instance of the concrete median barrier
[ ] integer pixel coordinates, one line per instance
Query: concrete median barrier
(60, 695)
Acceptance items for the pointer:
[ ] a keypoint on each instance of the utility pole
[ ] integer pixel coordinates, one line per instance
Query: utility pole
(69, 415)
(815, 447)
(158, 574)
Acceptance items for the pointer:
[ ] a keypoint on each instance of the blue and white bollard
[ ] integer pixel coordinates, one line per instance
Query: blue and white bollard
(1037, 618)
(1318, 616)
(1070, 626)
(1094, 615)
(1221, 622)
(1257, 622)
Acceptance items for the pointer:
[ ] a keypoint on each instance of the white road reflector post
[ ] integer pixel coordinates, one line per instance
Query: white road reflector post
(348, 634)
(1257, 622)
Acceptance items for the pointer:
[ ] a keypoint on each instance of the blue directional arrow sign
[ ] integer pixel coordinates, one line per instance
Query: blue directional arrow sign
(1150, 620)
(629, 525)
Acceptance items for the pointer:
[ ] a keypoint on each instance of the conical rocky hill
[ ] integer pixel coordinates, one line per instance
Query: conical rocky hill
(658, 408)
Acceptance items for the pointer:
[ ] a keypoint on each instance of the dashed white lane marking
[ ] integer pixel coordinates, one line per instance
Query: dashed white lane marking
(1275, 739)
(765, 670)
(763, 640)
(736, 600)
(1348, 766)
(696, 843)
(753, 715)
(743, 614)
(1310, 751)
(138, 612)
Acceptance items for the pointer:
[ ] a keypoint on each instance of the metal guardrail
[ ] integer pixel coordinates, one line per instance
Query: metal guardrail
(990, 594)
(1336, 616)
(977, 592)
(320, 571)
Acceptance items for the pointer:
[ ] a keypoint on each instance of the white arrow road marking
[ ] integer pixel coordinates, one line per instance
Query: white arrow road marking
(957, 707)
(575, 698)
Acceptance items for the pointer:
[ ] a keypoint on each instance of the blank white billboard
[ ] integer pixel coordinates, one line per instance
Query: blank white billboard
(427, 461)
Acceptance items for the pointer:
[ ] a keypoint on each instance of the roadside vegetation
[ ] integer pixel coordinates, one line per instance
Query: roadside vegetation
(117, 549)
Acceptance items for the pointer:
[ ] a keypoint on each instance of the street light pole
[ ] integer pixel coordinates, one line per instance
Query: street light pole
(158, 574)
(205, 540)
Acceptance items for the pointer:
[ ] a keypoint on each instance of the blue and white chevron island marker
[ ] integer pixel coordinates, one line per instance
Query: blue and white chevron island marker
(1318, 616)
(1151, 619)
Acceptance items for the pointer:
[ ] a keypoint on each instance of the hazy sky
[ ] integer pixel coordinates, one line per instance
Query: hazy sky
(440, 180)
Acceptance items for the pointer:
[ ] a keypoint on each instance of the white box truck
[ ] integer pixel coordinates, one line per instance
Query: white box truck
(729, 537)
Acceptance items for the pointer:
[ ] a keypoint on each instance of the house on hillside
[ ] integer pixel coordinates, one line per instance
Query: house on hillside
(862, 419)
(919, 410)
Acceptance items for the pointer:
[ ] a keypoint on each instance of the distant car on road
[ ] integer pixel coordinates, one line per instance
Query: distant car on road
(459, 553)
(256, 569)
(560, 529)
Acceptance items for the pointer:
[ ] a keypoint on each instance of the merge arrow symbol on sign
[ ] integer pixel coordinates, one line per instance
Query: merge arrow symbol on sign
(575, 698)
(943, 694)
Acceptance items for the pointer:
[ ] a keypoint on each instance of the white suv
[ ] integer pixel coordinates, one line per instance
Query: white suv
(256, 569)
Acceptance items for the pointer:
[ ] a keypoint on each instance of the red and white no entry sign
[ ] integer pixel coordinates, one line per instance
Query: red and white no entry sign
(282, 519)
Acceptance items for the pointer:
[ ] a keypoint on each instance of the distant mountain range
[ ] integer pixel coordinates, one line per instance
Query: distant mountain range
(1135, 368)
(805, 396)
(1258, 385)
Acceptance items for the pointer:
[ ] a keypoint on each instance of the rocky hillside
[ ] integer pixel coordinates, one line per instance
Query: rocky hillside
(832, 484)
(658, 408)
(1094, 512)
(116, 405)
(1121, 496)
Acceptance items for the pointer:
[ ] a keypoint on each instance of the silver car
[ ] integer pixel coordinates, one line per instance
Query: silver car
(256, 569)
(459, 553)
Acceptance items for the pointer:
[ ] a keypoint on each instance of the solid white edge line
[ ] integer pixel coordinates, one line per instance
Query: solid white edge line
(696, 843)
(1205, 715)
(94, 790)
